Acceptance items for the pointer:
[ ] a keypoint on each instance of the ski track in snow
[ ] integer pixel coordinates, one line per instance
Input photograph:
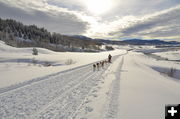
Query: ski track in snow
(110, 108)
(57, 97)
(113, 101)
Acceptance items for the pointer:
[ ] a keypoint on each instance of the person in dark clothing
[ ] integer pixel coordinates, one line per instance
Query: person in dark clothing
(97, 64)
(94, 67)
(109, 58)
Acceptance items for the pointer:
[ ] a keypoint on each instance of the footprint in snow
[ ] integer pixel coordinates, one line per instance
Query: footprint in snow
(94, 95)
(87, 101)
(107, 93)
(83, 118)
(88, 109)
(94, 91)
(98, 87)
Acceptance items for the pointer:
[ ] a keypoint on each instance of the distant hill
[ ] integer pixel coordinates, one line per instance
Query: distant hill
(149, 42)
(129, 41)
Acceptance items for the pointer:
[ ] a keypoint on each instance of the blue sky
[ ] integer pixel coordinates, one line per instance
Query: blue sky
(109, 19)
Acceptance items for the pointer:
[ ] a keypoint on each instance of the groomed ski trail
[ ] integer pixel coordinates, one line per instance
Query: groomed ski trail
(113, 103)
(58, 96)
(103, 100)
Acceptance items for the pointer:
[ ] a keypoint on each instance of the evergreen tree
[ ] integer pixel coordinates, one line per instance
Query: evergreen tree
(11, 30)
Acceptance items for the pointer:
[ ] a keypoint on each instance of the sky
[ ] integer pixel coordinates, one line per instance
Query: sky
(106, 19)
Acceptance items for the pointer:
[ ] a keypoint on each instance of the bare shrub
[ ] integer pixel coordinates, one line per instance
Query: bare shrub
(171, 72)
(69, 62)
(166, 59)
(109, 48)
(35, 51)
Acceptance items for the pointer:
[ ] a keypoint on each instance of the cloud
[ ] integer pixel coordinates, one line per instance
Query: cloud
(126, 19)
(77, 5)
(39, 12)
(123, 8)
(163, 24)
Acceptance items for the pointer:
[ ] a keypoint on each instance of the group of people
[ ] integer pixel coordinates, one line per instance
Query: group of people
(101, 64)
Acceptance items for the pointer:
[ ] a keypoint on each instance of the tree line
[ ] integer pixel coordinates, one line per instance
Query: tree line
(16, 34)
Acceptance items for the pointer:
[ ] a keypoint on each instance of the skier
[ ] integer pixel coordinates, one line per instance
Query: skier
(109, 58)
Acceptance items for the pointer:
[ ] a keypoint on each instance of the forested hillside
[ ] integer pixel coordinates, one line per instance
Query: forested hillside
(16, 34)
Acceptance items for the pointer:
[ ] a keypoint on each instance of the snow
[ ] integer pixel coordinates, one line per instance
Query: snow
(132, 86)
(172, 55)
(144, 92)
(17, 63)
(105, 103)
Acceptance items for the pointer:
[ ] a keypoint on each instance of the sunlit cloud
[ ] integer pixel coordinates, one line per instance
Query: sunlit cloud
(109, 19)
(163, 24)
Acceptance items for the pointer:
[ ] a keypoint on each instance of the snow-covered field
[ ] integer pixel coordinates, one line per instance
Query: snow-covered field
(132, 86)
(18, 64)
(171, 55)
